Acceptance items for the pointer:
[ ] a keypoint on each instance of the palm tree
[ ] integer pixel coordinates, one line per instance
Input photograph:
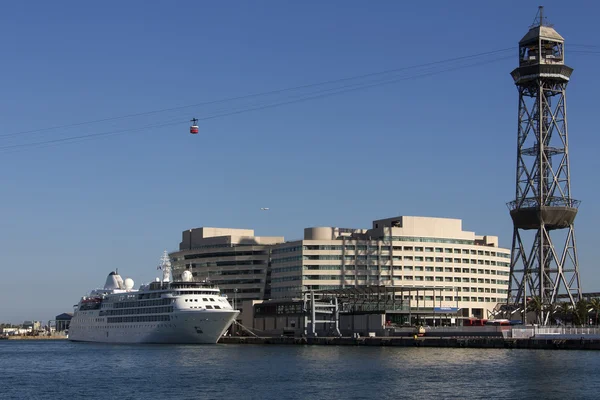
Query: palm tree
(564, 309)
(550, 310)
(534, 304)
(580, 313)
(595, 306)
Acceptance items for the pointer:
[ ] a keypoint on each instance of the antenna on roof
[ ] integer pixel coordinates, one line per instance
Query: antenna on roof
(539, 18)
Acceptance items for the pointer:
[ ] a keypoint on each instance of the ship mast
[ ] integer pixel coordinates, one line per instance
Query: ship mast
(165, 266)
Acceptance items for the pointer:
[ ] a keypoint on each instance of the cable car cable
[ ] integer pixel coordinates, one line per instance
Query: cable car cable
(260, 94)
(310, 96)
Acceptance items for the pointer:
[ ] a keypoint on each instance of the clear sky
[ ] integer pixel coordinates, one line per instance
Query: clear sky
(439, 145)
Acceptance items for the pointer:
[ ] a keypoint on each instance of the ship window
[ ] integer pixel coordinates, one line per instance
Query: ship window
(209, 306)
(218, 307)
(204, 299)
(196, 300)
(211, 299)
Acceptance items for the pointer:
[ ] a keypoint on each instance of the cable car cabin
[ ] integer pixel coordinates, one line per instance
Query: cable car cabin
(194, 127)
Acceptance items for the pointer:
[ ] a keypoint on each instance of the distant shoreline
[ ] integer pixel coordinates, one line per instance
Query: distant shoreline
(18, 337)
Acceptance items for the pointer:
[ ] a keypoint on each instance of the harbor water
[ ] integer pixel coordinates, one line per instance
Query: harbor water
(61, 369)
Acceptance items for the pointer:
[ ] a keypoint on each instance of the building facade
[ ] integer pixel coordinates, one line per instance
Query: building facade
(448, 267)
(234, 259)
(470, 271)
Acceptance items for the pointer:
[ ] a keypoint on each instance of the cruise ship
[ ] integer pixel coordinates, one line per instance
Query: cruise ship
(163, 311)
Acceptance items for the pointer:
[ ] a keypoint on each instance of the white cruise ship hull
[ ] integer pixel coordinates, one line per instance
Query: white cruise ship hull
(185, 326)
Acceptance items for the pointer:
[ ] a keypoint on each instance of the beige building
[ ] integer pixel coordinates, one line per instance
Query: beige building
(470, 271)
(234, 259)
(466, 271)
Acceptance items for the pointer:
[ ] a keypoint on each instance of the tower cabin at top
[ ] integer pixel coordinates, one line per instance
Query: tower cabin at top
(541, 45)
(541, 54)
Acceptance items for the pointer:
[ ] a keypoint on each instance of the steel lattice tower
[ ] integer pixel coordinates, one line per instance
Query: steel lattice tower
(543, 211)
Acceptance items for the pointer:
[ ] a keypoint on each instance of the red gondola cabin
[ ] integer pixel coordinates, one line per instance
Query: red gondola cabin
(194, 127)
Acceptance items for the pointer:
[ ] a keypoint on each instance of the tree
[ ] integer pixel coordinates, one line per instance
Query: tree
(595, 306)
(551, 309)
(534, 305)
(565, 310)
(580, 313)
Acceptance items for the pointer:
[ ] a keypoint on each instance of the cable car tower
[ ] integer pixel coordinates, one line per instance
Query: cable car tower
(544, 255)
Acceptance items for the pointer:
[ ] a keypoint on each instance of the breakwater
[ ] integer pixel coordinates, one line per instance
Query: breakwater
(470, 342)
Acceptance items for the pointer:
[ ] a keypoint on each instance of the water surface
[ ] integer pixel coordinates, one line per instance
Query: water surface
(61, 369)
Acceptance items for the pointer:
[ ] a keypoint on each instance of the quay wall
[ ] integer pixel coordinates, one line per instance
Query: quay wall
(56, 337)
(464, 342)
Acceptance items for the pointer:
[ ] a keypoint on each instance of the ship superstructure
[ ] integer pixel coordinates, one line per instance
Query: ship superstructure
(163, 311)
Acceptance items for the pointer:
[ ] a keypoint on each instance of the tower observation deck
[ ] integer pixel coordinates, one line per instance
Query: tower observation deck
(544, 255)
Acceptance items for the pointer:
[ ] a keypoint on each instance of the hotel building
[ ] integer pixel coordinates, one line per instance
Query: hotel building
(234, 259)
(459, 269)
(467, 271)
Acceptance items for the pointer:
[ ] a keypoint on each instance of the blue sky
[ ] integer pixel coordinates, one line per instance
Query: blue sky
(440, 145)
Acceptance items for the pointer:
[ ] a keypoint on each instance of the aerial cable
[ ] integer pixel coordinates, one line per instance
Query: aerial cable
(583, 45)
(92, 135)
(584, 51)
(261, 93)
(303, 97)
(350, 89)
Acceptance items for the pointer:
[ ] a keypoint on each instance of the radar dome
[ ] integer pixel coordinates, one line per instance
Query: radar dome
(186, 276)
(128, 284)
